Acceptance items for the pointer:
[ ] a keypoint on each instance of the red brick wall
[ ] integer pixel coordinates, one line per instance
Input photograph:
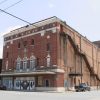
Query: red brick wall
(55, 80)
(59, 80)
(38, 50)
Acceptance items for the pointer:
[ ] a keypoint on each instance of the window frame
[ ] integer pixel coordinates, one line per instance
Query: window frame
(18, 63)
(25, 63)
(32, 62)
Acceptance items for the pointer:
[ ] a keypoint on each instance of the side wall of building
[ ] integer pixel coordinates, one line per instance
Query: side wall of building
(73, 62)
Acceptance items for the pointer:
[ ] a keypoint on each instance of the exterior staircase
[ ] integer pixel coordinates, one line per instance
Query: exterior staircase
(83, 55)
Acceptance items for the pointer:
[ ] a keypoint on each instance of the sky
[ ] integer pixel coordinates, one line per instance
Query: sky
(82, 15)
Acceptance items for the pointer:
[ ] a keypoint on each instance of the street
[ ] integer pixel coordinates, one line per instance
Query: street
(15, 95)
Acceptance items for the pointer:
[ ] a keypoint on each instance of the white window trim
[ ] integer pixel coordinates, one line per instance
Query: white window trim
(25, 63)
(32, 62)
(48, 60)
(18, 65)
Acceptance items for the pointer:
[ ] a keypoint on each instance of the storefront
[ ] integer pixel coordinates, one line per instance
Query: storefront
(24, 83)
(8, 82)
(30, 81)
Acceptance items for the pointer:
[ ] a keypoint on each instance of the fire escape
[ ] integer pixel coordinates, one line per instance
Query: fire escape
(83, 56)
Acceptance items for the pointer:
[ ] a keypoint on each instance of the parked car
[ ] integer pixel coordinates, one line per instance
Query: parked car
(82, 87)
(2, 87)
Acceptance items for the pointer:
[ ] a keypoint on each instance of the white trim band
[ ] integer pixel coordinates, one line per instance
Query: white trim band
(25, 73)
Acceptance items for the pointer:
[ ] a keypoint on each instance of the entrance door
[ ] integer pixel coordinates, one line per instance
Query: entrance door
(47, 83)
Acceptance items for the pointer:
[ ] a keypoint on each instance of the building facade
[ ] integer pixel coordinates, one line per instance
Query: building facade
(49, 55)
(0, 69)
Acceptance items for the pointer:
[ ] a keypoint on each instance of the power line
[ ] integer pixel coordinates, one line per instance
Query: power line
(13, 4)
(16, 17)
(3, 1)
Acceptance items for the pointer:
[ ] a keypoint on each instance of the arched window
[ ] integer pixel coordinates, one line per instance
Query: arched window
(32, 62)
(17, 83)
(18, 65)
(7, 65)
(48, 60)
(25, 63)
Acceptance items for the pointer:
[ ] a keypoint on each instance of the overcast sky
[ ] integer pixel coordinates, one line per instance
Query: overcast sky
(82, 15)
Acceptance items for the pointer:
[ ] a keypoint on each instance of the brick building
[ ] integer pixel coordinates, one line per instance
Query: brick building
(97, 43)
(0, 68)
(0, 65)
(49, 55)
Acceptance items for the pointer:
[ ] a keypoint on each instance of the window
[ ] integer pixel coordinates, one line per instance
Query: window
(32, 84)
(32, 42)
(18, 65)
(25, 63)
(48, 60)
(6, 65)
(17, 83)
(48, 46)
(25, 43)
(7, 54)
(37, 61)
(18, 45)
(32, 62)
(78, 81)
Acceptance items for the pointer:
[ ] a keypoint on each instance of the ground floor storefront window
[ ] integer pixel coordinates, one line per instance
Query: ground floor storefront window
(8, 82)
(24, 83)
(32, 83)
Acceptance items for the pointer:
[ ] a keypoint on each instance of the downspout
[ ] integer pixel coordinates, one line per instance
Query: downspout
(81, 56)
